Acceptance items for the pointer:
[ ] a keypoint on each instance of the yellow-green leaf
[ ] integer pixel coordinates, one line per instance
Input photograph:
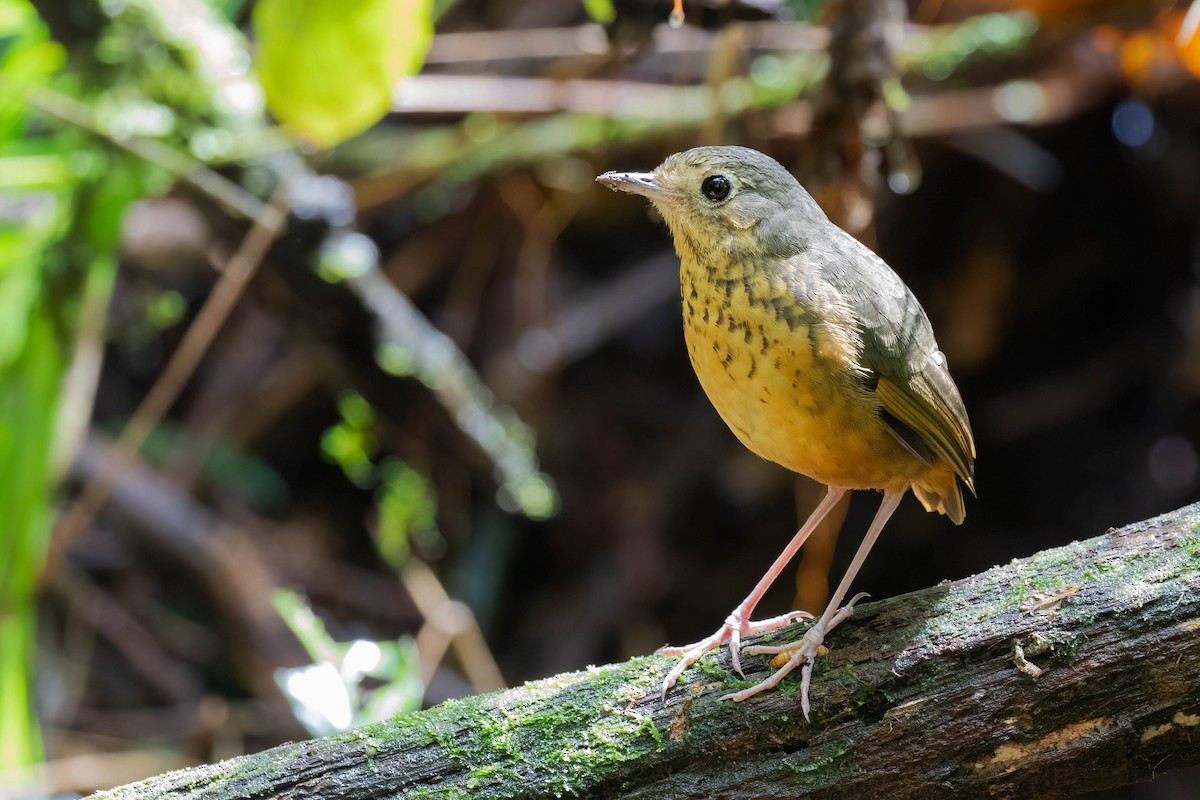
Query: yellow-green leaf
(600, 10)
(328, 67)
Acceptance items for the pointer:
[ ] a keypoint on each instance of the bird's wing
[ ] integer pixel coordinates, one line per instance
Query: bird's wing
(913, 384)
(928, 403)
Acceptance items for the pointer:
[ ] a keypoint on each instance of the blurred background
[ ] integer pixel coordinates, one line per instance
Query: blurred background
(332, 385)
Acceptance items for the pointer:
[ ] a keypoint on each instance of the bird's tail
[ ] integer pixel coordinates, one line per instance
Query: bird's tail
(939, 491)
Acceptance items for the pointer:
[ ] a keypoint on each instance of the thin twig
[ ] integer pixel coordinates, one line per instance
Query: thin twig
(1060, 95)
(183, 362)
(448, 623)
(591, 40)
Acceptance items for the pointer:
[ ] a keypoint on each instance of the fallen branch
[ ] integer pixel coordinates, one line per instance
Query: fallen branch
(1072, 670)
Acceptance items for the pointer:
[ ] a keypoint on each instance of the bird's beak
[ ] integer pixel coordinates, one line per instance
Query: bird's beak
(643, 183)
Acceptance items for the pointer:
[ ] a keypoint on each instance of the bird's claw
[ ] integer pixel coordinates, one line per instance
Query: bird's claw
(731, 632)
(803, 653)
(689, 654)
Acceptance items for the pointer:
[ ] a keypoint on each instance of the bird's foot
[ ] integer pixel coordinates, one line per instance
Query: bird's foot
(803, 652)
(732, 631)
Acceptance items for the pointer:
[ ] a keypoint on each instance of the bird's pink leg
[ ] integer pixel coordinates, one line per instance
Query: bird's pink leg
(738, 623)
(805, 651)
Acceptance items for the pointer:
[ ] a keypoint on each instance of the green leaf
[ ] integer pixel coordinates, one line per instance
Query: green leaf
(329, 66)
(600, 10)
(29, 390)
(407, 511)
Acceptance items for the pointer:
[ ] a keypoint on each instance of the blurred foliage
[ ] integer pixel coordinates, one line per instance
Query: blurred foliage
(411, 346)
(807, 10)
(600, 10)
(940, 52)
(61, 199)
(352, 444)
(404, 498)
(779, 78)
(407, 512)
(174, 77)
(62, 196)
(35, 176)
(348, 684)
(329, 68)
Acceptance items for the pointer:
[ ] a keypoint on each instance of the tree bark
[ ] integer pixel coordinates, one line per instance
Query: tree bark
(1073, 670)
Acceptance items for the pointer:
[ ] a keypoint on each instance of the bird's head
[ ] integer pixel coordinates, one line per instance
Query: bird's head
(724, 199)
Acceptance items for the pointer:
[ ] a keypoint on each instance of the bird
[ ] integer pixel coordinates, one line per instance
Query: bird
(817, 356)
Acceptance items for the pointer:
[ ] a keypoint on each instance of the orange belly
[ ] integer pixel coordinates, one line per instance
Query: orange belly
(787, 386)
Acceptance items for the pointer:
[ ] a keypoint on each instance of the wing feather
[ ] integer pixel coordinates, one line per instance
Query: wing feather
(928, 402)
(899, 347)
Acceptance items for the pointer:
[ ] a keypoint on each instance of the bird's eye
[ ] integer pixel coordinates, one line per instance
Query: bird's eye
(715, 188)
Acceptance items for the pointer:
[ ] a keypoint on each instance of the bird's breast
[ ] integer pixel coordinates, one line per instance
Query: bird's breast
(779, 367)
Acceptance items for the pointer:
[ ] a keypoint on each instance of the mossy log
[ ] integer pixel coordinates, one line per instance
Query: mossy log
(1072, 670)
